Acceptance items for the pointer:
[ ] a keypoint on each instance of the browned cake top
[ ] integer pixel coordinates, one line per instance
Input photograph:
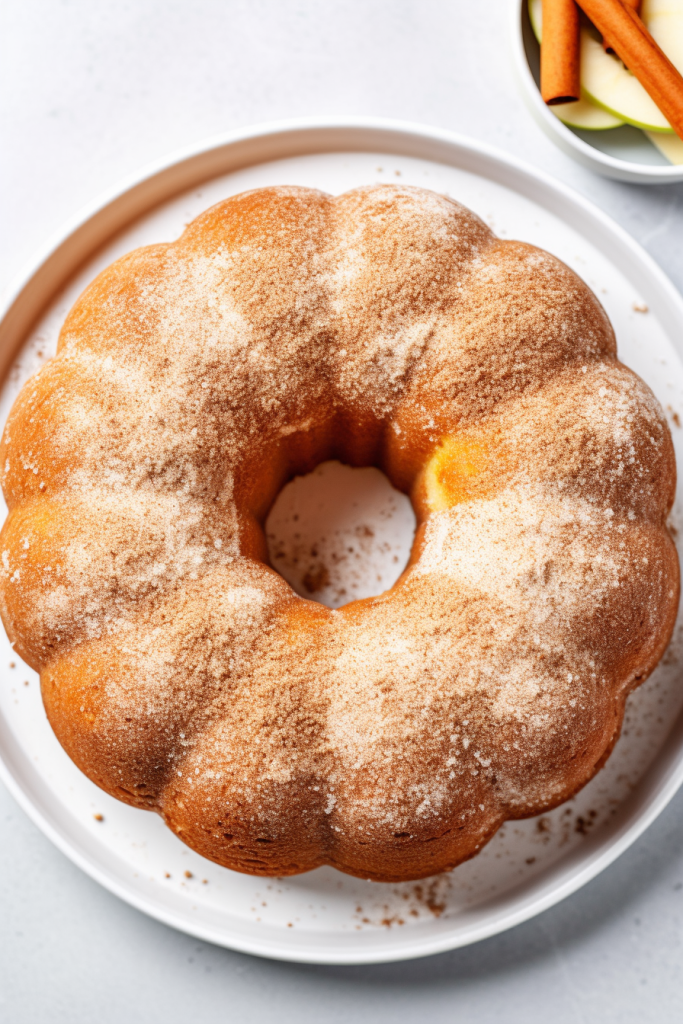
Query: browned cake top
(387, 326)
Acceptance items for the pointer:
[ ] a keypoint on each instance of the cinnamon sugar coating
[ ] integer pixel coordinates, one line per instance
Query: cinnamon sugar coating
(389, 327)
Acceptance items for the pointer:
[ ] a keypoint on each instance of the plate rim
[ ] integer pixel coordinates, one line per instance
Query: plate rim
(571, 144)
(57, 262)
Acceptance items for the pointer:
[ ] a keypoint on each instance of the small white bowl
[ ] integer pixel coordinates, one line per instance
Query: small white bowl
(623, 153)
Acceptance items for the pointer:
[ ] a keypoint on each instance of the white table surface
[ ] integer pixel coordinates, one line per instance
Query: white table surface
(89, 91)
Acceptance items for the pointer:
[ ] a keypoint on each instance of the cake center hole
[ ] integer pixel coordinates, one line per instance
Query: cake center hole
(339, 534)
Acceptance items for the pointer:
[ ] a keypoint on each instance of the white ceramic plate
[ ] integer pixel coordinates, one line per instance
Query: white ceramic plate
(623, 153)
(324, 916)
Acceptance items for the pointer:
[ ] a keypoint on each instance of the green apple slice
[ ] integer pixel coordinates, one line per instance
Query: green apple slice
(582, 113)
(536, 17)
(608, 84)
(664, 19)
(669, 146)
(612, 87)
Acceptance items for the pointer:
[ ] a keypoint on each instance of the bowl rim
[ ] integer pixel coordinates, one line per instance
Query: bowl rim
(574, 146)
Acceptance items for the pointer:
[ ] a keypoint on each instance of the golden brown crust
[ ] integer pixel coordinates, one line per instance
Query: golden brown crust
(387, 326)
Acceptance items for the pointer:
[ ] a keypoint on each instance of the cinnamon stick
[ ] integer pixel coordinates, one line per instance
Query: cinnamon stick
(635, 4)
(641, 55)
(560, 52)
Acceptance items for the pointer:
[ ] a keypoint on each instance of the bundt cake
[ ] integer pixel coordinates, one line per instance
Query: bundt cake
(388, 327)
